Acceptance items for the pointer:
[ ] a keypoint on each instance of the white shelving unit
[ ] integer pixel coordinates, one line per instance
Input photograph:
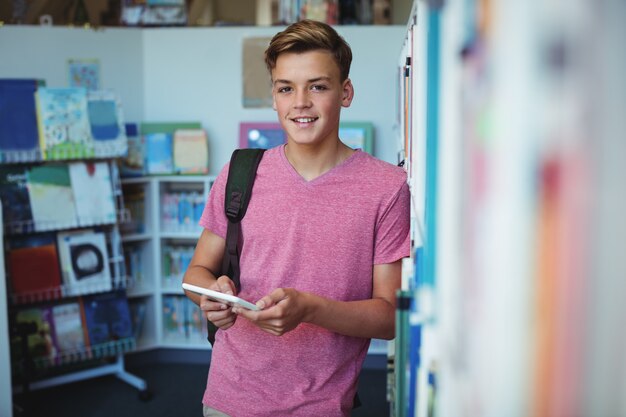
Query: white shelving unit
(152, 239)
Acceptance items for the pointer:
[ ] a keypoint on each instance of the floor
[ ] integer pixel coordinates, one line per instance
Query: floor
(176, 391)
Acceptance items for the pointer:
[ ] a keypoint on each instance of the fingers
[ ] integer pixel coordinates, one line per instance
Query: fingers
(279, 313)
(218, 313)
(225, 285)
(272, 299)
(221, 320)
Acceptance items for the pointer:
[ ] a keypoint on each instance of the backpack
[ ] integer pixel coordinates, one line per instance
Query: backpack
(241, 175)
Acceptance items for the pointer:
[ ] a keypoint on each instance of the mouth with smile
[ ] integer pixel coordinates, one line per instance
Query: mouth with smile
(303, 120)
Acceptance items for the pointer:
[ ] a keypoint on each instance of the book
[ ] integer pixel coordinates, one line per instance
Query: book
(158, 153)
(173, 317)
(195, 323)
(107, 317)
(106, 119)
(135, 202)
(134, 260)
(84, 261)
(191, 151)
(322, 10)
(63, 120)
(131, 165)
(37, 325)
(33, 266)
(16, 210)
(51, 197)
(138, 316)
(19, 135)
(381, 11)
(93, 193)
(157, 142)
(68, 327)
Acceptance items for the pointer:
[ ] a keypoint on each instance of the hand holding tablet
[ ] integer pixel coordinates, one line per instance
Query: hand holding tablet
(221, 297)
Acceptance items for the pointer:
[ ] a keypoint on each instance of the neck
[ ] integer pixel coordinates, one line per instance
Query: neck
(312, 162)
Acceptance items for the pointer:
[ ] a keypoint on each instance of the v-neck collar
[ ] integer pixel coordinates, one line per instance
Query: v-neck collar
(321, 178)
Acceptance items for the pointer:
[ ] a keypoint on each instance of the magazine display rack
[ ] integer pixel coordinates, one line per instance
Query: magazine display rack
(68, 314)
(63, 301)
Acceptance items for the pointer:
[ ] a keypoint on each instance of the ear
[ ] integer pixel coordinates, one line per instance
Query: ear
(347, 93)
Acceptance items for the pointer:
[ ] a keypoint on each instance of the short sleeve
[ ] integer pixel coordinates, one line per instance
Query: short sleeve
(213, 217)
(392, 240)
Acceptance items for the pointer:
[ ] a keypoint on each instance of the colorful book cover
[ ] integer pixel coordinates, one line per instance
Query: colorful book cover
(107, 317)
(16, 210)
(173, 317)
(19, 135)
(68, 327)
(33, 266)
(157, 145)
(93, 193)
(63, 120)
(106, 119)
(51, 197)
(191, 151)
(194, 321)
(39, 328)
(158, 154)
(84, 261)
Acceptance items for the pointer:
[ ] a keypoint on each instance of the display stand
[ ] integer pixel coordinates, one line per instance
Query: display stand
(116, 369)
(112, 351)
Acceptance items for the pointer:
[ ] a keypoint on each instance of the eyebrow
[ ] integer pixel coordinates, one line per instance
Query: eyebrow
(312, 80)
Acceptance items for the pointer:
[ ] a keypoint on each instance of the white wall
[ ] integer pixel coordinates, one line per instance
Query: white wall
(194, 74)
(42, 52)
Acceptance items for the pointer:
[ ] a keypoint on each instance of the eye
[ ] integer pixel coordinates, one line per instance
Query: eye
(284, 89)
(318, 87)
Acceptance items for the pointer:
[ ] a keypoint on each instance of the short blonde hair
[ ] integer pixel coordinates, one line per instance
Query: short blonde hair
(310, 35)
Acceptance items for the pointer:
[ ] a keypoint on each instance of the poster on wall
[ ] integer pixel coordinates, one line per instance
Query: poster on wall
(263, 135)
(84, 73)
(257, 87)
(358, 135)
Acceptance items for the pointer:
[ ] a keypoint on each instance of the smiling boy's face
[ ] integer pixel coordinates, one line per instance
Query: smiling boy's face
(308, 95)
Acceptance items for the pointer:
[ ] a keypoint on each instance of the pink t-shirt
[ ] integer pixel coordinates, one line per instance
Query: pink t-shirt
(321, 236)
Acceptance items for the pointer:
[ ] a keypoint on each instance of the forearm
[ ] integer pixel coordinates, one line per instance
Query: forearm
(200, 276)
(373, 318)
(205, 263)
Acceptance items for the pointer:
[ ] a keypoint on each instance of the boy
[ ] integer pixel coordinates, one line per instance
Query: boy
(324, 234)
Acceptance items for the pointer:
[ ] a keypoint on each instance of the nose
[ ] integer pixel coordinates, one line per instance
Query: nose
(301, 99)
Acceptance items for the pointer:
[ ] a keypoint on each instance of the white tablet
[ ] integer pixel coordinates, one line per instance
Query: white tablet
(221, 297)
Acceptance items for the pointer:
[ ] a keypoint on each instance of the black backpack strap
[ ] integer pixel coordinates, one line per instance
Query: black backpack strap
(241, 175)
